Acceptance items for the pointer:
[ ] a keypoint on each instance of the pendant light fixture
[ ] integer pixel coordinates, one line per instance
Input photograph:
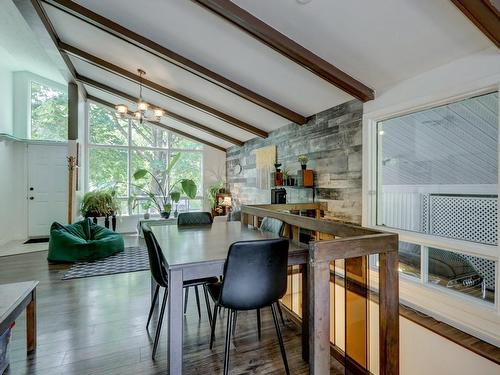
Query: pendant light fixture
(141, 114)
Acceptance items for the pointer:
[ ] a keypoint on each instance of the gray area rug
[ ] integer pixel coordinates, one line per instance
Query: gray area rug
(132, 259)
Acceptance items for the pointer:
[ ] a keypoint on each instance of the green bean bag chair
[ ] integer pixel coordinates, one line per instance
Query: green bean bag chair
(82, 241)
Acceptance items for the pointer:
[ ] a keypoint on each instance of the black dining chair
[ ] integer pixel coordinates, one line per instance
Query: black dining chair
(159, 273)
(276, 226)
(194, 219)
(255, 276)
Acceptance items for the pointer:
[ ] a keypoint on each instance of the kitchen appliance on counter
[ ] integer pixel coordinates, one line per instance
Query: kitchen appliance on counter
(278, 196)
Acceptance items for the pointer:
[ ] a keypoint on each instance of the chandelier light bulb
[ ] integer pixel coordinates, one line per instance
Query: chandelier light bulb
(142, 106)
(158, 112)
(122, 110)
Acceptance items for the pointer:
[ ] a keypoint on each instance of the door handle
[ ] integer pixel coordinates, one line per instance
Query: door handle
(31, 198)
(31, 189)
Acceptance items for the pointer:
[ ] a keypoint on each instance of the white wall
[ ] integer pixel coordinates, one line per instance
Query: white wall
(423, 352)
(470, 73)
(12, 166)
(214, 169)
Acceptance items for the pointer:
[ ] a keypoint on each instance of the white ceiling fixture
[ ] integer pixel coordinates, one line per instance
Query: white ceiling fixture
(143, 108)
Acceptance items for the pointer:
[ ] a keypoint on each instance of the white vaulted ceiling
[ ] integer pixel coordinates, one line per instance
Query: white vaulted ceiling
(379, 43)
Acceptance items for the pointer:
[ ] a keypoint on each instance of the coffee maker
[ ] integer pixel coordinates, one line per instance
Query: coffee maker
(278, 196)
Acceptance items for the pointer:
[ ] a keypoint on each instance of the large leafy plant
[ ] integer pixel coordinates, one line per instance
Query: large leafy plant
(99, 203)
(212, 193)
(166, 192)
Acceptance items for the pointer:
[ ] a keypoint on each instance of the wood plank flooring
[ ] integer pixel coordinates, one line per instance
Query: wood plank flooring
(97, 326)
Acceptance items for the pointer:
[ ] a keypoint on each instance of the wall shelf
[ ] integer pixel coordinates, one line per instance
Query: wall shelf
(4, 137)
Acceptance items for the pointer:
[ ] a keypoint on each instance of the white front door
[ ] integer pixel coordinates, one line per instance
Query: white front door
(47, 187)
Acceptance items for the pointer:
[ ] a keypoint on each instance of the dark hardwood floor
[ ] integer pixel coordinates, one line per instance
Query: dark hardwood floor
(97, 326)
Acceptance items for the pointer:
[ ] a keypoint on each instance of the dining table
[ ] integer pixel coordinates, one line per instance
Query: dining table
(194, 252)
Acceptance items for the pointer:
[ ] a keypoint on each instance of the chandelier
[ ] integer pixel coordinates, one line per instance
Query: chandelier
(143, 112)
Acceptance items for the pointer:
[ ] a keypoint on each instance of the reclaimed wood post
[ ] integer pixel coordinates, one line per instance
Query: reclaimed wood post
(318, 271)
(305, 314)
(389, 311)
(244, 219)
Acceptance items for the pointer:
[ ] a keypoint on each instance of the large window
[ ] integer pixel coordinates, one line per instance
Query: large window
(437, 177)
(49, 113)
(118, 147)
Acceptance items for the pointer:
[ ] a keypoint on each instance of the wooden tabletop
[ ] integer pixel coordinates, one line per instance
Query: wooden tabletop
(182, 246)
(11, 295)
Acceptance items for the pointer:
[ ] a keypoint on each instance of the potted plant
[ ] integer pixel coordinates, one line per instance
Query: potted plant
(100, 203)
(303, 159)
(167, 192)
(212, 195)
(146, 207)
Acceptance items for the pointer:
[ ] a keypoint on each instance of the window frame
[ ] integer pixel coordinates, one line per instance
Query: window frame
(479, 318)
(130, 148)
(52, 85)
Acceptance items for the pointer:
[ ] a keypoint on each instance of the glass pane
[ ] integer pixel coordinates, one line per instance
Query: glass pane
(106, 127)
(108, 168)
(438, 170)
(143, 206)
(409, 259)
(188, 167)
(184, 143)
(466, 274)
(49, 113)
(155, 162)
(147, 135)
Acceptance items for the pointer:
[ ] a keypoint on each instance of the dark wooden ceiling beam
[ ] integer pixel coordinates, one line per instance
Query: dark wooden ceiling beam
(168, 113)
(159, 124)
(115, 69)
(287, 47)
(55, 39)
(170, 56)
(485, 14)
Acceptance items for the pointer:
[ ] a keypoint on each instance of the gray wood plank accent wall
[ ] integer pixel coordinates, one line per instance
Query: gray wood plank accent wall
(332, 141)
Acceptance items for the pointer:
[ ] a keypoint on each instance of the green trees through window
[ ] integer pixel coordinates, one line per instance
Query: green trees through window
(118, 147)
(49, 113)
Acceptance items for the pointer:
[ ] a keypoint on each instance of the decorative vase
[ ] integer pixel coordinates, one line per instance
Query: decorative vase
(176, 213)
(278, 179)
(304, 167)
(146, 215)
(165, 214)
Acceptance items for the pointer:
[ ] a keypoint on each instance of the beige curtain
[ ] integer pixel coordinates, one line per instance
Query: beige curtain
(265, 158)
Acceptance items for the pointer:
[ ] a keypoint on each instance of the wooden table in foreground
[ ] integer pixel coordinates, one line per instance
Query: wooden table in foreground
(197, 252)
(14, 298)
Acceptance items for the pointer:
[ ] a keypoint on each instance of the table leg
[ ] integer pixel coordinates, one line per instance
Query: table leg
(175, 322)
(31, 323)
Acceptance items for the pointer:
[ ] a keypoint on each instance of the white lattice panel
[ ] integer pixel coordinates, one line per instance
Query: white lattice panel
(486, 268)
(470, 218)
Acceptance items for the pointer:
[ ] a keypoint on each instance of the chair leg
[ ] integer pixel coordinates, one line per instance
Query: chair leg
(197, 295)
(234, 322)
(153, 302)
(160, 321)
(207, 302)
(258, 322)
(186, 296)
(281, 313)
(280, 339)
(214, 322)
(230, 318)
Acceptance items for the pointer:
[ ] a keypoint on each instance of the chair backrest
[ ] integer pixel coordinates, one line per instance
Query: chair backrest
(194, 218)
(272, 225)
(255, 274)
(156, 258)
